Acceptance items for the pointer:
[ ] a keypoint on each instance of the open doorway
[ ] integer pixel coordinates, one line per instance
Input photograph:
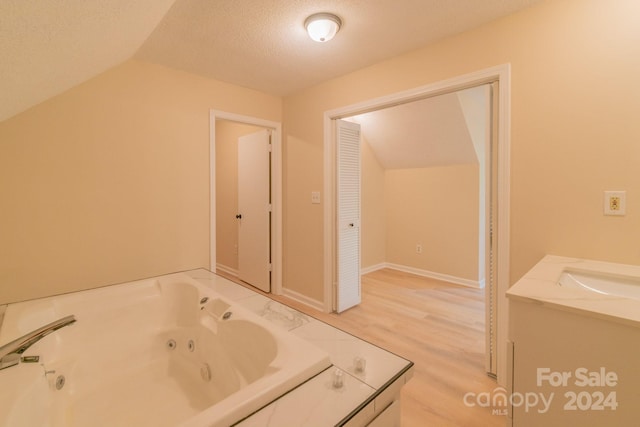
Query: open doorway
(425, 192)
(256, 144)
(424, 186)
(496, 222)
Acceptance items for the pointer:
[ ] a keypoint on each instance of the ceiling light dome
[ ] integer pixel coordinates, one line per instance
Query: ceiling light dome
(322, 26)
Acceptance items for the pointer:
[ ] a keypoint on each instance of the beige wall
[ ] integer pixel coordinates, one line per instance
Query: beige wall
(302, 220)
(109, 181)
(575, 132)
(373, 225)
(227, 134)
(436, 207)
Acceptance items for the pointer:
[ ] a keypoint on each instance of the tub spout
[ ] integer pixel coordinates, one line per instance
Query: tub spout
(10, 353)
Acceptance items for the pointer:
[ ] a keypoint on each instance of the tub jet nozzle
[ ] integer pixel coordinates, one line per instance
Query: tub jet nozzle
(60, 381)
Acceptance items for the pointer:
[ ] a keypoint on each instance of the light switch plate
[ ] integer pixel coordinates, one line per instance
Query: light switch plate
(615, 202)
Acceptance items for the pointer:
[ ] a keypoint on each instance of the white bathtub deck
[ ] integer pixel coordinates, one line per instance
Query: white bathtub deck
(316, 402)
(166, 403)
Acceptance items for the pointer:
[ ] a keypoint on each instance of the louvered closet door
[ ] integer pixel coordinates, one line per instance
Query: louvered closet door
(348, 215)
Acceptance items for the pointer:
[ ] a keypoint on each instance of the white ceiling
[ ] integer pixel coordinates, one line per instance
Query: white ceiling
(262, 44)
(445, 130)
(47, 47)
(430, 132)
(50, 46)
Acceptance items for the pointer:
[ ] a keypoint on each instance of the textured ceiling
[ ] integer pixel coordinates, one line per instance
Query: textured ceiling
(50, 46)
(262, 44)
(47, 47)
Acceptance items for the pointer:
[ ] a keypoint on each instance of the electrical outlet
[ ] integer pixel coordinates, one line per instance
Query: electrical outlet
(418, 248)
(615, 202)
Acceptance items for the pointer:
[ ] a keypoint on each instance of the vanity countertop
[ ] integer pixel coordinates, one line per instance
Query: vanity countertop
(317, 402)
(540, 285)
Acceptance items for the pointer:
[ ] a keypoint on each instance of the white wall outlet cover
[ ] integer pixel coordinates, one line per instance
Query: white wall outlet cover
(615, 202)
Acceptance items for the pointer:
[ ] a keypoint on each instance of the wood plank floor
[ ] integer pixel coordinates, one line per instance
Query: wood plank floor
(437, 325)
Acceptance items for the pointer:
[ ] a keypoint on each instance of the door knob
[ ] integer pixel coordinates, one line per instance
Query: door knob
(239, 216)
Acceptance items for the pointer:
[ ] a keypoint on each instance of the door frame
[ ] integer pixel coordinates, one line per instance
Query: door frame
(500, 74)
(276, 190)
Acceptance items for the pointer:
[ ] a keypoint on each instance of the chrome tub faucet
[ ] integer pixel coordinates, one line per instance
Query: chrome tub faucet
(11, 352)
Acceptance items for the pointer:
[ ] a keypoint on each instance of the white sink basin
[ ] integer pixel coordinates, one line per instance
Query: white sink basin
(602, 283)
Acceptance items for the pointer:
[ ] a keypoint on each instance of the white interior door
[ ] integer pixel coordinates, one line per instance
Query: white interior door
(348, 215)
(254, 216)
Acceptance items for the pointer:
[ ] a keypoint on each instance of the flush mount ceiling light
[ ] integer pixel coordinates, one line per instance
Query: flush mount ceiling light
(322, 26)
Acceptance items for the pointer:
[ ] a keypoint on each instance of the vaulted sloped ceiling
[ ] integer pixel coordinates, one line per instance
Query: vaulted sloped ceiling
(49, 46)
(262, 44)
(430, 132)
(449, 129)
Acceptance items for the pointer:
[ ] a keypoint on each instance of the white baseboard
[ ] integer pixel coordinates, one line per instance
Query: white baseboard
(228, 270)
(372, 268)
(303, 299)
(296, 296)
(430, 274)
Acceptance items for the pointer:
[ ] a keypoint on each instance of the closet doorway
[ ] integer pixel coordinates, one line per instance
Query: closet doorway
(496, 185)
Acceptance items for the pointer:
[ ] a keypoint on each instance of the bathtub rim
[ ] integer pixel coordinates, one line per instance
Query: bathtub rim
(251, 397)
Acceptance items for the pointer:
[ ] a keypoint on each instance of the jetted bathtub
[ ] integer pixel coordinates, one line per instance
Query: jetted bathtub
(165, 351)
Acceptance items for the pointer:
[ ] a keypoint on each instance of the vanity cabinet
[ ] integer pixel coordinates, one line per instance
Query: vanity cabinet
(571, 368)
